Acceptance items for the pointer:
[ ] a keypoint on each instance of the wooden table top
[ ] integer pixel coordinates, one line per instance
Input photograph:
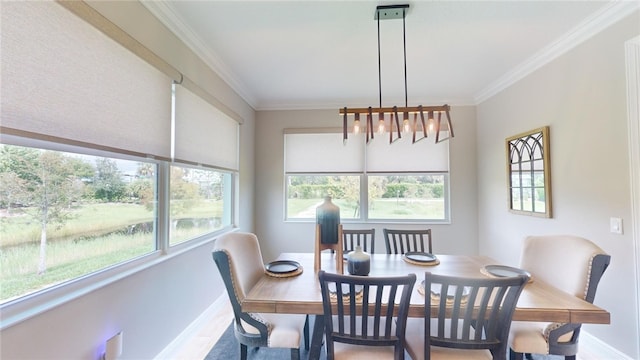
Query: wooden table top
(301, 294)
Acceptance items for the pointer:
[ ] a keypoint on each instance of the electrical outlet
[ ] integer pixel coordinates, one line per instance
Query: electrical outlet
(615, 225)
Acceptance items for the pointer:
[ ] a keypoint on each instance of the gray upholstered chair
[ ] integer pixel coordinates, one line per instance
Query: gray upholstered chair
(402, 241)
(239, 260)
(366, 238)
(570, 263)
(365, 317)
(460, 331)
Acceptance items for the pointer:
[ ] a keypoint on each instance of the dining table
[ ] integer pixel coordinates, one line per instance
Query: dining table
(299, 292)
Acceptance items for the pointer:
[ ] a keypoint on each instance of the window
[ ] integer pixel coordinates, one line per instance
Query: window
(200, 202)
(407, 197)
(65, 215)
(369, 182)
(306, 192)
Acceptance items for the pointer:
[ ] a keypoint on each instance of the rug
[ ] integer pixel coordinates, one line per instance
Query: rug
(228, 348)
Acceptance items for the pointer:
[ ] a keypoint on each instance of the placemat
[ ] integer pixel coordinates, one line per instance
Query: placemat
(334, 294)
(484, 272)
(421, 263)
(345, 297)
(435, 298)
(285, 275)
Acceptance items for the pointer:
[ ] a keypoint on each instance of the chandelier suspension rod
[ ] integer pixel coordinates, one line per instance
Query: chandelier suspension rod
(379, 67)
(404, 44)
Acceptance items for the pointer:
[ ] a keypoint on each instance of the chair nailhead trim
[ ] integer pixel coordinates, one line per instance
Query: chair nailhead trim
(254, 316)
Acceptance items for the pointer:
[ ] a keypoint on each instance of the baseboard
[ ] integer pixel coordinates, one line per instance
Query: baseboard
(598, 348)
(190, 331)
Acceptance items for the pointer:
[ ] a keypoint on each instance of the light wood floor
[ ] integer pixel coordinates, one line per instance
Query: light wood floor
(201, 343)
(198, 346)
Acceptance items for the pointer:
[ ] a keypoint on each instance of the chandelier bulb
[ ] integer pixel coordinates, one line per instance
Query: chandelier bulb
(430, 121)
(356, 124)
(406, 127)
(381, 127)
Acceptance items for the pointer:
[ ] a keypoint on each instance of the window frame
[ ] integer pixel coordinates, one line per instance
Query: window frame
(286, 191)
(364, 198)
(445, 196)
(28, 305)
(229, 190)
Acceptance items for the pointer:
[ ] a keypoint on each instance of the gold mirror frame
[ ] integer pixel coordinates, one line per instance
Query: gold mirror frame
(529, 173)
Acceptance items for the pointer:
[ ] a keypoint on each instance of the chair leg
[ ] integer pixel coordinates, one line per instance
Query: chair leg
(528, 356)
(295, 354)
(243, 352)
(306, 333)
(514, 355)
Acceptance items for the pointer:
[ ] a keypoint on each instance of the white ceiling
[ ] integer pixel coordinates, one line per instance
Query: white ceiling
(324, 54)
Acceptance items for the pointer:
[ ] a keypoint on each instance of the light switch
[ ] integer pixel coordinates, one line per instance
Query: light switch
(615, 225)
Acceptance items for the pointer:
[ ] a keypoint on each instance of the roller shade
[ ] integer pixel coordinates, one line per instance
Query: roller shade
(322, 152)
(61, 77)
(402, 155)
(204, 134)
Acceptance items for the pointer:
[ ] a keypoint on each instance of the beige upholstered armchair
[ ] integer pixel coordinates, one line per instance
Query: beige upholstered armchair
(570, 263)
(239, 260)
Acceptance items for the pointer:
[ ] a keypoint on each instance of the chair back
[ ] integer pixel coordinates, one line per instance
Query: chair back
(476, 313)
(570, 263)
(402, 241)
(364, 310)
(239, 260)
(366, 238)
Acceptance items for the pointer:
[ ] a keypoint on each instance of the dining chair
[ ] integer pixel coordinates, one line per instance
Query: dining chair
(572, 264)
(365, 317)
(471, 323)
(366, 238)
(402, 241)
(239, 260)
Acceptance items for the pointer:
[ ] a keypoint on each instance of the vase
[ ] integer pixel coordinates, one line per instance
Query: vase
(328, 218)
(358, 262)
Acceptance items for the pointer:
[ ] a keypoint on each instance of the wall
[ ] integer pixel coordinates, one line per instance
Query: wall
(582, 97)
(154, 305)
(278, 236)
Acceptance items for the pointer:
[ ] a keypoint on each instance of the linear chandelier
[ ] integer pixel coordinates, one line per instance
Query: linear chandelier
(422, 124)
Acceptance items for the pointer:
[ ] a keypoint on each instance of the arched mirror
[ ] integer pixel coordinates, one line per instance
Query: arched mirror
(528, 172)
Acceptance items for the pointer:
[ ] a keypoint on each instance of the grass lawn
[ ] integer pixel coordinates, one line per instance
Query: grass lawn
(306, 208)
(413, 209)
(85, 244)
(407, 209)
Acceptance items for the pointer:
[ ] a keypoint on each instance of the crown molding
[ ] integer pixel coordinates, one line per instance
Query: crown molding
(598, 21)
(336, 105)
(166, 14)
